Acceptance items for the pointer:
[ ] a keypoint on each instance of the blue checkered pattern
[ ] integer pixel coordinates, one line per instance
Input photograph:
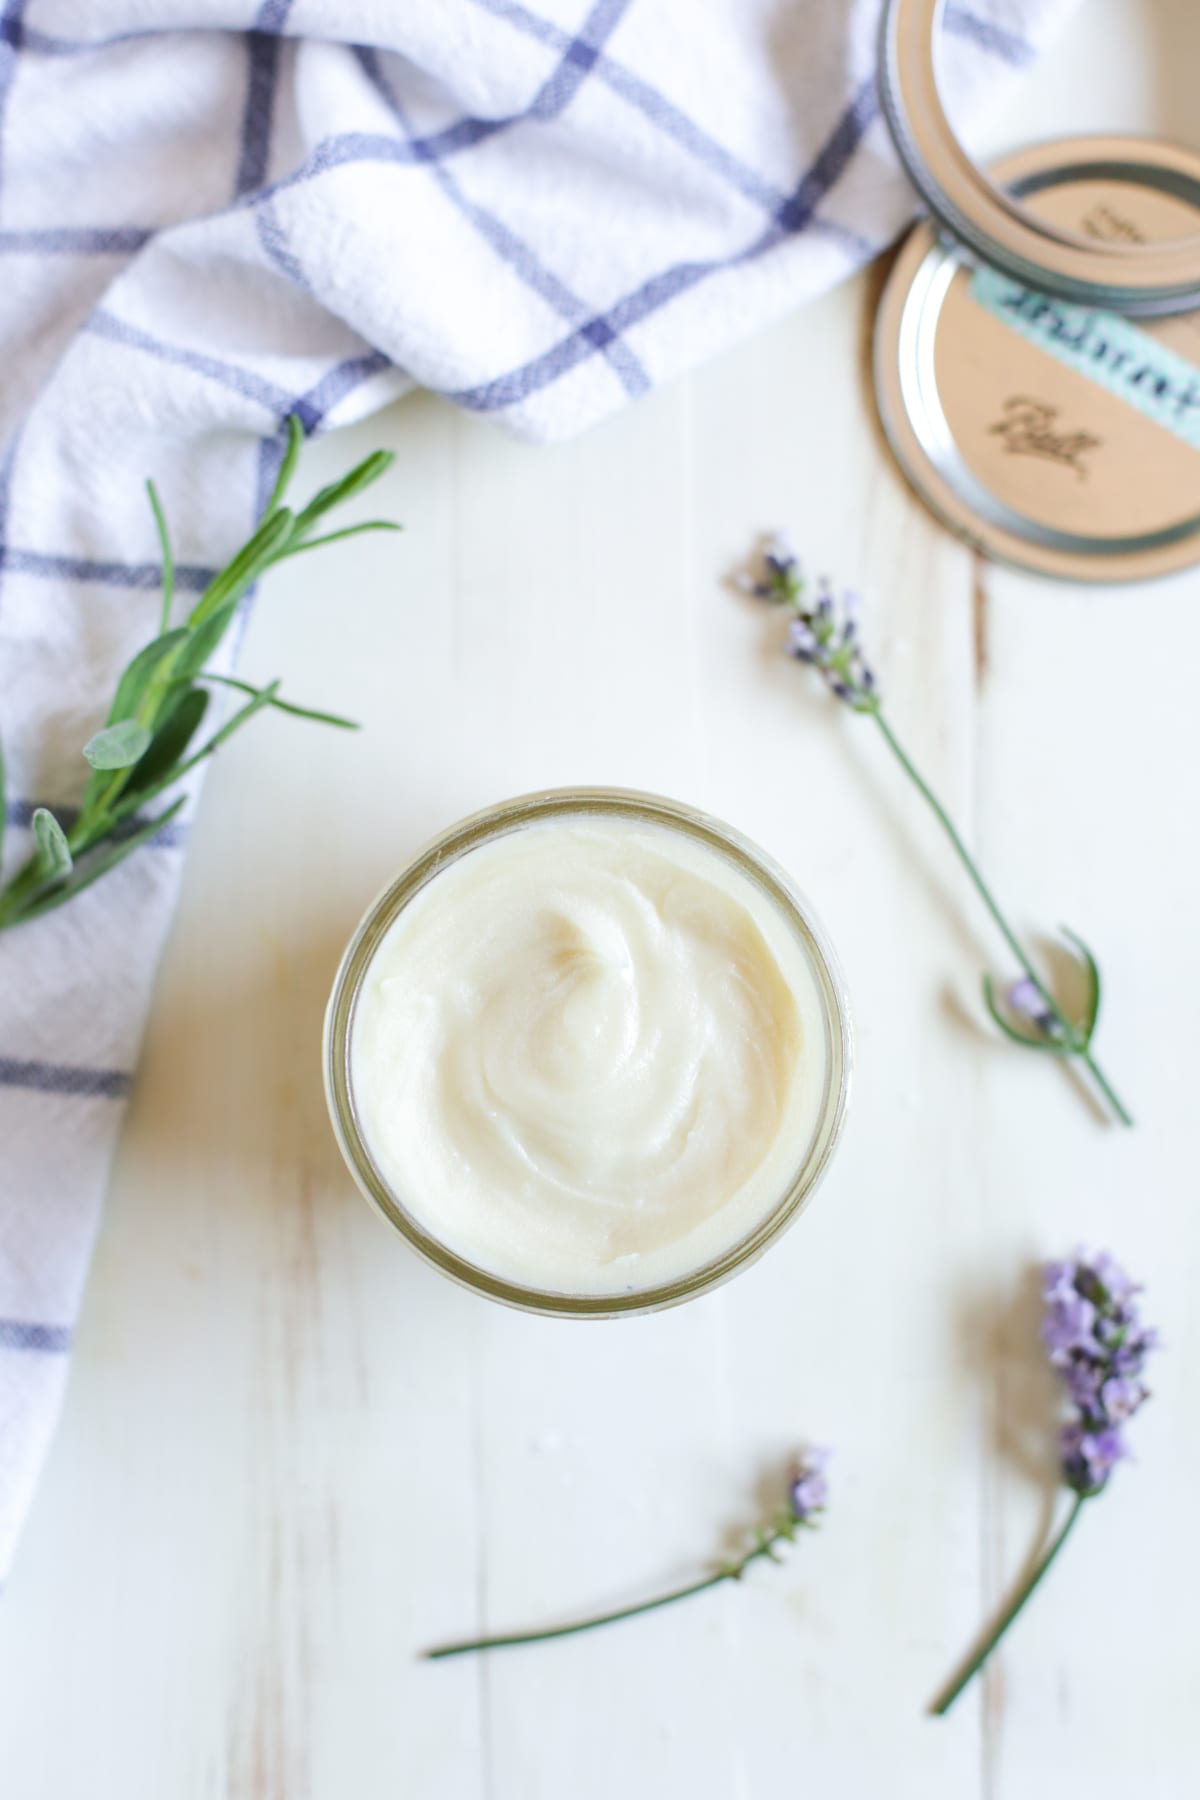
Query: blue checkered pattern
(539, 210)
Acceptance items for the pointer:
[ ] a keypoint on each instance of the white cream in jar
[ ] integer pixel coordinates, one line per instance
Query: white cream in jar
(589, 1056)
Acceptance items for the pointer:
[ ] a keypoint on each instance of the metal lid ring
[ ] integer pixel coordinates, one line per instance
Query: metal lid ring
(1127, 277)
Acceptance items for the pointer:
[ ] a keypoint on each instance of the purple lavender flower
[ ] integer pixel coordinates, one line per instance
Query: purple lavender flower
(809, 1492)
(1119, 1398)
(780, 576)
(1099, 1345)
(824, 635)
(1091, 1323)
(824, 632)
(1106, 1274)
(1058, 1281)
(827, 638)
(1129, 1355)
(1088, 1458)
(1069, 1325)
(1027, 1000)
(780, 556)
(1083, 1381)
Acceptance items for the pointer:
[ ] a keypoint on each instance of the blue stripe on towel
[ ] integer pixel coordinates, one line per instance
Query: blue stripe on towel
(147, 577)
(73, 240)
(16, 1334)
(214, 368)
(508, 246)
(793, 217)
(63, 1078)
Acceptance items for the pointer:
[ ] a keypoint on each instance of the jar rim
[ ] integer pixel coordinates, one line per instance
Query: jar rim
(986, 215)
(483, 827)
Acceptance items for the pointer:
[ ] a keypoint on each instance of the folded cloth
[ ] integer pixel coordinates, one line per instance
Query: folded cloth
(216, 215)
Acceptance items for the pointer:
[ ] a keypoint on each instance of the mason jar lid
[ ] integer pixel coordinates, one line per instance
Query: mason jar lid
(998, 223)
(1060, 437)
(1037, 349)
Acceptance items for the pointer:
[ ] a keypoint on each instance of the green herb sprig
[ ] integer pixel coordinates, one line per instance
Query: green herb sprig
(807, 1496)
(146, 745)
(1098, 1344)
(824, 634)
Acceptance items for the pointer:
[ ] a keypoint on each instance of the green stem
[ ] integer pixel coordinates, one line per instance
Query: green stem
(964, 856)
(18, 892)
(733, 1572)
(145, 686)
(1107, 1089)
(1073, 1037)
(949, 1695)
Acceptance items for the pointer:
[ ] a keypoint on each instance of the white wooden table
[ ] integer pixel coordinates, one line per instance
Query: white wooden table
(292, 1455)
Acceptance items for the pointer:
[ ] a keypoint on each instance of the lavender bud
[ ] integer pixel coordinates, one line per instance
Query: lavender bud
(1107, 1273)
(809, 1491)
(825, 635)
(1098, 1344)
(1025, 999)
(1089, 1457)
(1084, 1381)
(1058, 1281)
(1069, 1325)
(779, 554)
(1120, 1398)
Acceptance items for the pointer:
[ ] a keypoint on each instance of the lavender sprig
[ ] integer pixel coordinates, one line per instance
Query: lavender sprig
(807, 1497)
(825, 634)
(1098, 1345)
(146, 747)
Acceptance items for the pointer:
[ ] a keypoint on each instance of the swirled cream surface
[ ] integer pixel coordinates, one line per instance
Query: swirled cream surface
(589, 1056)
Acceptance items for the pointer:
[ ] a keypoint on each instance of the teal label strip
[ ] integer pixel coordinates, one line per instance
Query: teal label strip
(1103, 347)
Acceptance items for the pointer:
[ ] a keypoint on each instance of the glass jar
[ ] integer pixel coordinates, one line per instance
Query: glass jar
(565, 805)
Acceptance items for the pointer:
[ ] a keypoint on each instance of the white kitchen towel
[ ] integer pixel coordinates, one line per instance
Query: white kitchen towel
(215, 215)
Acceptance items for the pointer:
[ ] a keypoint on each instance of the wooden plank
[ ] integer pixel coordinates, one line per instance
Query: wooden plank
(1085, 769)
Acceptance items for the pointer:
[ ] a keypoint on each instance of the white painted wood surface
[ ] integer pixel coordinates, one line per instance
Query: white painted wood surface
(292, 1455)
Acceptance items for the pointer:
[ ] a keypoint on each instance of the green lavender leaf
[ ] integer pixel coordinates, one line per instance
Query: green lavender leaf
(332, 537)
(53, 850)
(91, 868)
(138, 672)
(153, 664)
(1049, 1045)
(203, 640)
(118, 746)
(262, 697)
(289, 706)
(159, 704)
(168, 560)
(1092, 1009)
(129, 803)
(360, 477)
(254, 556)
(287, 467)
(176, 729)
